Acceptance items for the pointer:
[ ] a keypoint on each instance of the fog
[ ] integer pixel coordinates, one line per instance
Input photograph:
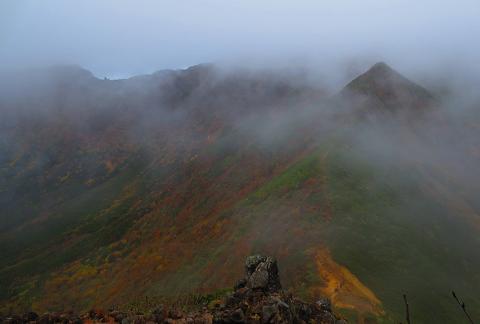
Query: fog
(123, 38)
(273, 96)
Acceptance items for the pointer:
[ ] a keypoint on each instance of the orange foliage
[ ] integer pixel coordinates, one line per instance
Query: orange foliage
(343, 288)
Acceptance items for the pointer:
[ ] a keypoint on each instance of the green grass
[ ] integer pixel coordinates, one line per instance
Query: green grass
(187, 303)
(291, 179)
(397, 240)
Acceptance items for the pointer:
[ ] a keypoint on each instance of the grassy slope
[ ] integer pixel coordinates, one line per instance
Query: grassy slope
(158, 231)
(86, 219)
(399, 239)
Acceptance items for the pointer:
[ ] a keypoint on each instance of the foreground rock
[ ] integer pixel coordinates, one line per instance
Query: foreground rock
(257, 298)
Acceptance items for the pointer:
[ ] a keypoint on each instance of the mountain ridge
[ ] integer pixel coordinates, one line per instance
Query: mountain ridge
(115, 191)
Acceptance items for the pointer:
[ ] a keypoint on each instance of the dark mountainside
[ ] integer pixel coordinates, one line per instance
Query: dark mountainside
(158, 186)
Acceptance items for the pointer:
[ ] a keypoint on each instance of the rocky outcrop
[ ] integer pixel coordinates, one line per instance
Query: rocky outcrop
(261, 273)
(257, 298)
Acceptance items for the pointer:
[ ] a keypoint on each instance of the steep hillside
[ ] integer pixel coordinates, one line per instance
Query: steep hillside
(258, 297)
(116, 190)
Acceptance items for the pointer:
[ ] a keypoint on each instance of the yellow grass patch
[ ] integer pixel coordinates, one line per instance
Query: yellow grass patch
(343, 288)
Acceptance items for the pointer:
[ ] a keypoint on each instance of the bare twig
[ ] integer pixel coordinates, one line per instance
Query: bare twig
(407, 310)
(462, 305)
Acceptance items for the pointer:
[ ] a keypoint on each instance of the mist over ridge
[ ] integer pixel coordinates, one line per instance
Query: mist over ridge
(147, 148)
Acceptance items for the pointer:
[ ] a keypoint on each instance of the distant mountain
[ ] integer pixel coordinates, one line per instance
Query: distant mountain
(113, 190)
(383, 88)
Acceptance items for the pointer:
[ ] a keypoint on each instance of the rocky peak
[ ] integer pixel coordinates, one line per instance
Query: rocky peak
(379, 75)
(381, 68)
(383, 87)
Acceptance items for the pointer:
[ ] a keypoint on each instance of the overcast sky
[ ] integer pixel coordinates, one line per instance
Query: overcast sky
(115, 37)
